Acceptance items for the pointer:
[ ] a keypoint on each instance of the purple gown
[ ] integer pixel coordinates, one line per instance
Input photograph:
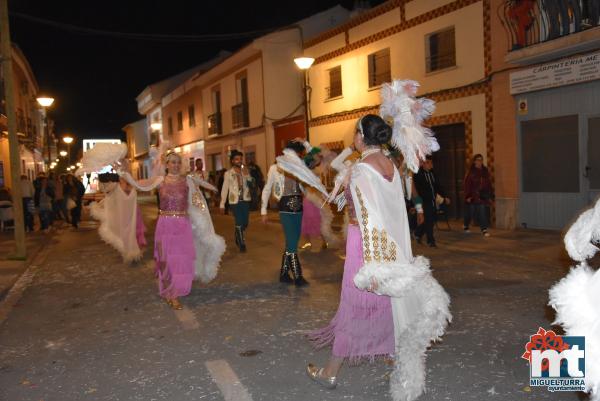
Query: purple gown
(174, 250)
(363, 327)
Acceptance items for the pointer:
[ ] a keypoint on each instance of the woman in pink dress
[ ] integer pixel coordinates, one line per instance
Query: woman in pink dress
(174, 250)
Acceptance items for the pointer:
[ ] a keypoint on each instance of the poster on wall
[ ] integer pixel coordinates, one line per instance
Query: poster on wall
(551, 75)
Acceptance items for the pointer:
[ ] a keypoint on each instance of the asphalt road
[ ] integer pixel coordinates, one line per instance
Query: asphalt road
(81, 325)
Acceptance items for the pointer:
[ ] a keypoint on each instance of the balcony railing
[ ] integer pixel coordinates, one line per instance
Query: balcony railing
(214, 124)
(529, 22)
(239, 115)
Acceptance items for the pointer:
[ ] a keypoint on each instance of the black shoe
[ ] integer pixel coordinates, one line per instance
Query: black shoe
(419, 239)
(239, 238)
(284, 275)
(432, 244)
(296, 269)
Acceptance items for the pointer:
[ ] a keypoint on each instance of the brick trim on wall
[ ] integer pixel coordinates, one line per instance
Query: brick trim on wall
(403, 25)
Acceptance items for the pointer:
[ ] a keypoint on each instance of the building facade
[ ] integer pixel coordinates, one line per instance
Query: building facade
(251, 101)
(546, 92)
(33, 144)
(442, 44)
(137, 137)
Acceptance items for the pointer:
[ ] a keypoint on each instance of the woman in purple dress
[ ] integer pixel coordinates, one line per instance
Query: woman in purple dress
(174, 250)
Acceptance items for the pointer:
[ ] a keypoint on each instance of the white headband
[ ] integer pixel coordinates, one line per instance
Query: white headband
(359, 126)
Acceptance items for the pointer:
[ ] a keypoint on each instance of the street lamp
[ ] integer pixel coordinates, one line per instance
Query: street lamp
(45, 102)
(68, 139)
(304, 63)
(63, 153)
(156, 126)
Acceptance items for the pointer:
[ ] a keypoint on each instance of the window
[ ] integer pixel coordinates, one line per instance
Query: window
(192, 116)
(239, 112)
(241, 87)
(379, 68)
(335, 82)
(441, 50)
(170, 125)
(216, 100)
(179, 121)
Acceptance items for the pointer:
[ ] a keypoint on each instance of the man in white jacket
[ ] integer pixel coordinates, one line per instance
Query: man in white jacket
(288, 192)
(236, 188)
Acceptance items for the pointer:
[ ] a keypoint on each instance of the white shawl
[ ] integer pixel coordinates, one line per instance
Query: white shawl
(117, 214)
(420, 305)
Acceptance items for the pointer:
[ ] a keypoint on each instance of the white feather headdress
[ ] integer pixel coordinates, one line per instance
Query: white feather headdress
(101, 156)
(406, 113)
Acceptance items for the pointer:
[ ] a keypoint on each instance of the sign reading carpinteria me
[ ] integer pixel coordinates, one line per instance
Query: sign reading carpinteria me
(564, 72)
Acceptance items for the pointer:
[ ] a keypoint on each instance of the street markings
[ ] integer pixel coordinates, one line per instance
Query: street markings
(227, 381)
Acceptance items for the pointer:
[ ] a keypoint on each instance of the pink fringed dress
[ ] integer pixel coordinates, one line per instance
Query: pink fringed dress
(174, 250)
(363, 327)
(140, 228)
(311, 219)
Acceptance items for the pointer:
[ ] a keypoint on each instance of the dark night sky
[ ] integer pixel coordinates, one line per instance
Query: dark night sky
(95, 79)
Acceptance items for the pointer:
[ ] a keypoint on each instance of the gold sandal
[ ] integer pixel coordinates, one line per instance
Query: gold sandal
(175, 304)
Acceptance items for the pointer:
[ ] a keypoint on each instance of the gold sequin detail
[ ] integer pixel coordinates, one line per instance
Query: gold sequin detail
(383, 248)
(197, 200)
(376, 251)
(392, 256)
(384, 243)
(365, 220)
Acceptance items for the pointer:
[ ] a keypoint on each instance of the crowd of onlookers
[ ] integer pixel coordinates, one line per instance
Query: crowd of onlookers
(51, 198)
(426, 200)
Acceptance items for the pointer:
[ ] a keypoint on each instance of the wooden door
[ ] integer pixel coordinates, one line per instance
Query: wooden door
(449, 165)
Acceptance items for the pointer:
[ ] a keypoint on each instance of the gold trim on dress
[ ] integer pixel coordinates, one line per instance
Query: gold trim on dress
(365, 220)
(173, 213)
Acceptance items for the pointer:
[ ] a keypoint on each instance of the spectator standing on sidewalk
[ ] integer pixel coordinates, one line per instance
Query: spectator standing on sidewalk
(75, 190)
(58, 206)
(479, 195)
(27, 192)
(431, 194)
(44, 197)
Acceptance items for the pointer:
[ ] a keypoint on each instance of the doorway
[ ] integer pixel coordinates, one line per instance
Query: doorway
(449, 165)
(287, 131)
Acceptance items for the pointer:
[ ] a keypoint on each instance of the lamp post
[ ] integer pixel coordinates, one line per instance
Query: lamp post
(68, 139)
(304, 63)
(45, 102)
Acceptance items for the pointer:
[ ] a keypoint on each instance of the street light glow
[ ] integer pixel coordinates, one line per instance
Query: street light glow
(57, 160)
(63, 153)
(67, 139)
(156, 126)
(45, 101)
(79, 164)
(304, 63)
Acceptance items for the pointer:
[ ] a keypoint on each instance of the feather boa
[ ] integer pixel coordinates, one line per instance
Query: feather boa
(294, 165)
(577, 296)
(398, 104)
(209, 246)
(101, 156)
(425, 307)
(575, 299)
(326, 218)
(98, 212)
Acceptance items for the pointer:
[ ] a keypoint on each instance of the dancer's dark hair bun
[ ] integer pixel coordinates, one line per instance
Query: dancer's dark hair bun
(375, 130)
